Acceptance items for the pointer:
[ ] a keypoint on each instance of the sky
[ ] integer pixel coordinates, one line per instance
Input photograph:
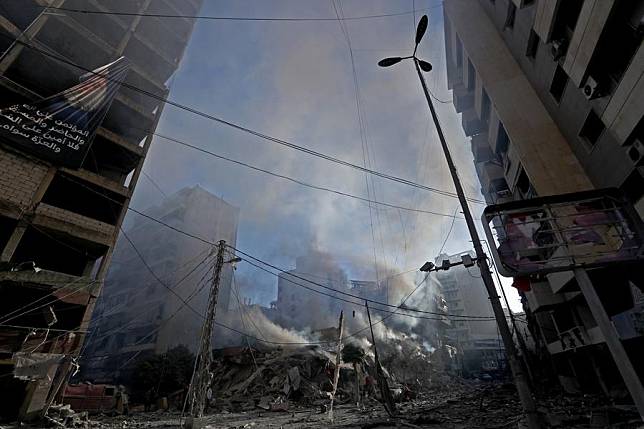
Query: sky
(294, 81)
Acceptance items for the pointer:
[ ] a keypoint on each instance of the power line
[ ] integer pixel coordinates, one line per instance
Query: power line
(248, 130)
(448, 232)
(209, 242)
(154, 183)
(234, 18)
(297, 181)
(360, 298)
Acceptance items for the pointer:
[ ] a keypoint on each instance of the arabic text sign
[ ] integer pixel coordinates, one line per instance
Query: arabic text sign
(60, 128)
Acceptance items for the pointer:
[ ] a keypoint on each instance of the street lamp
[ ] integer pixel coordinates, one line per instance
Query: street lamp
(523, 388)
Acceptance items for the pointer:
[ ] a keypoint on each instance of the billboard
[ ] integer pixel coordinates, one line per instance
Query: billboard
(562, 232)
(60, 129)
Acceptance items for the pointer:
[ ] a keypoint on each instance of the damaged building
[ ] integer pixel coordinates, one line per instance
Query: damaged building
(480, 349)
(137, 316)
(59, 224)
(557, 108)
(296, 306)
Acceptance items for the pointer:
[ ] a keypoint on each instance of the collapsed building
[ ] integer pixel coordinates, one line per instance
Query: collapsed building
(59, 223)
(137, 316)
(550, 93)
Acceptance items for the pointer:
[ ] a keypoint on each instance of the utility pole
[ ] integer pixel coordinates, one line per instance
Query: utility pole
(338, 360)
(520, 379)
(387, 400)
(202, 377)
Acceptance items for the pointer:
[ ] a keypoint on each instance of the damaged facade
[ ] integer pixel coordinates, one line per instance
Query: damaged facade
(137, 316)
(551, 95)
(480, 349)
(58, 225)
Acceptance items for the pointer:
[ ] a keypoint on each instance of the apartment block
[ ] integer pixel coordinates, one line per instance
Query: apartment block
(137, 316)
(58, 225)
(480, 349)
(551, 96)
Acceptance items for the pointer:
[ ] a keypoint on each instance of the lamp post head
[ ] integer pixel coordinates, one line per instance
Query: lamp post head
(422, 27)
(387, 62)
(424, 65)
(427, 267)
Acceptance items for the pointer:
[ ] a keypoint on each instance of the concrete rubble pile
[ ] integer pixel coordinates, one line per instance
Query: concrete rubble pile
(276, 379)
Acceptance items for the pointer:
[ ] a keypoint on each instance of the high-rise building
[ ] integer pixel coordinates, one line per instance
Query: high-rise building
(136, 315)
(477, 340)
(299, 308)
(550, 92)
(59, 224)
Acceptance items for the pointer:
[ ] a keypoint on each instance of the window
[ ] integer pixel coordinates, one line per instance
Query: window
(502, 140)
(619, 41)
(471, 75)
(524, 186)
(512, 12)
(566, 20)
(533, 45)
(592, 129)
(558, 84)
(486, 106)
(109, 391)
(459, 53)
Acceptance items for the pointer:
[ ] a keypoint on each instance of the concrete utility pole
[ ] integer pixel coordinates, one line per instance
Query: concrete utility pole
(202, 377)
(523, 388)
(387, 400)
(338, 361)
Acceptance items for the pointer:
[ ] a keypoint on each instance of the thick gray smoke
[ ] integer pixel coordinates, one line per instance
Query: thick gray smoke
(315, 312)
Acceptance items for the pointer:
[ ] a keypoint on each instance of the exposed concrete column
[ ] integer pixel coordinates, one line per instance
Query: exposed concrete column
(128, 35)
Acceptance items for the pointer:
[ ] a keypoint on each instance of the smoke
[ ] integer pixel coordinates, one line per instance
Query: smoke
(315, 313)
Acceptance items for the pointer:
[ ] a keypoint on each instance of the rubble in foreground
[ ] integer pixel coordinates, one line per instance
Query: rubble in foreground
(276, 388)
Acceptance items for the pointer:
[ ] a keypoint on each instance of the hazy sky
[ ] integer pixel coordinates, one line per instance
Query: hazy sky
(294, 81)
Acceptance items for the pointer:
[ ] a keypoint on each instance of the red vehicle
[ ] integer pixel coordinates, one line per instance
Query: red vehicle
(96, 398)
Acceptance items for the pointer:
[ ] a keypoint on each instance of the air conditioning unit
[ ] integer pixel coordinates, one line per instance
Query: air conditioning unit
(558, 48)
(591, 88)
(636, 152)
